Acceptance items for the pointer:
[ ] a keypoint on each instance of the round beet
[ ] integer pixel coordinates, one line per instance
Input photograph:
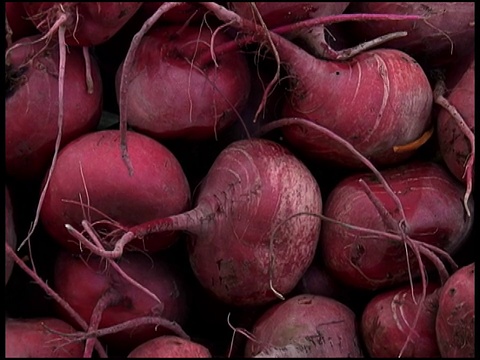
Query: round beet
(32, 104)
(434, 215)
(172, 95)
(99, 293)
(91, 182)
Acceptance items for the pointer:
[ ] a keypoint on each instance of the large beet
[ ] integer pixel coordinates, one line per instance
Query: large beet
(91, 182)
(434, 214)
(171, 95)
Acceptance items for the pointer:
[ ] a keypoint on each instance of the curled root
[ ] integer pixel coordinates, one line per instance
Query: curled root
(415, 144)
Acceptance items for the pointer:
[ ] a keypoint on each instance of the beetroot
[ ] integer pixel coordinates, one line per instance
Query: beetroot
(389, 326)
(208, 97)
(393, 108)
(170, 346)
(90, 182)
(102, 297)
(32, 104)
(456, 139)
(455, 321)
(432, 204)
(40, 338)
(305, 326)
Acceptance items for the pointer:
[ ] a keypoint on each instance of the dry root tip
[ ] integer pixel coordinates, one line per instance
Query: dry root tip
(277, 294)
(415, 144)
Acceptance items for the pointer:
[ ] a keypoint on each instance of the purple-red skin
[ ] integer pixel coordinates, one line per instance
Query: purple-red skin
(31, 102)
(445, 36)
(252, 187)
(433, 205)
(10, 234)
(376, 100)
(388, 317)
(276, 14)
(81, 281)
(88, 24)
(18, 21)
(453, 144)
(455, 322)
(158, 187)
(170, 346)
(40, 338)
(306, 326)
(169, 98)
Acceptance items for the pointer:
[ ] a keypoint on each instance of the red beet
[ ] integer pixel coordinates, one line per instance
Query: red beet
(389, 326)
(91, 182)
(32, 104)
(434, 215)
(172, 96)
(88, 284)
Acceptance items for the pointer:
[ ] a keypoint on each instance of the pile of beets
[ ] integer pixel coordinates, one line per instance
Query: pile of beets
(244, 179)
